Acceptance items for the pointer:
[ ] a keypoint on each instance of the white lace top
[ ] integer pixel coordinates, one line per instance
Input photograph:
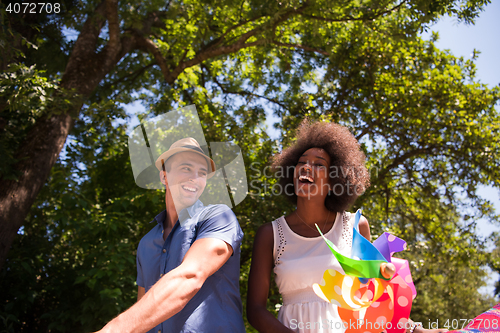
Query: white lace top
(299, 262)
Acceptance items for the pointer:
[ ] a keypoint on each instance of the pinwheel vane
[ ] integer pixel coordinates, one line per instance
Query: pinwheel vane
(375, 290)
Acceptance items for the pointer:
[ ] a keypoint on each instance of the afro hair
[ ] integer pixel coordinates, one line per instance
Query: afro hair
(349, 177)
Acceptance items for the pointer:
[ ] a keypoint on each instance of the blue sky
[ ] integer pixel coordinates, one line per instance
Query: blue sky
(462, 39)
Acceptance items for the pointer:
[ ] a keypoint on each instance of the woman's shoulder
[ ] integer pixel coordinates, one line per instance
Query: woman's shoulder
(267, 228)
(265, 233)
(264, 238)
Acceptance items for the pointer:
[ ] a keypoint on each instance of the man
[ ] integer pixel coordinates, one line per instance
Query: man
(188, 264)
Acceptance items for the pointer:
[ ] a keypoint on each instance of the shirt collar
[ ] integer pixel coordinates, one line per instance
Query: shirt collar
(185, 214)
(160, 217)
(189, 212)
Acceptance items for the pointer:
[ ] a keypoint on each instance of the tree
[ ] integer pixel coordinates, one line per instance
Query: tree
(179, 38)
(429, 131)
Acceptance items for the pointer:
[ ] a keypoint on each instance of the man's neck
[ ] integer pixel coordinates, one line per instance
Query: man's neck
(171, 217)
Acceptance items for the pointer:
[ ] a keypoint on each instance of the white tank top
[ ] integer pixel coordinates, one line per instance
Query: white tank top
(299, 262)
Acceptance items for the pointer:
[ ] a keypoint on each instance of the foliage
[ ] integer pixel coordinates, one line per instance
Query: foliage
(77, 249)
(26, 91)
(27, 95)
(429, 130)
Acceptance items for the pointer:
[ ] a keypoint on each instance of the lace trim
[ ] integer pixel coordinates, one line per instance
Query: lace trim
(346, 230)
(281, 245)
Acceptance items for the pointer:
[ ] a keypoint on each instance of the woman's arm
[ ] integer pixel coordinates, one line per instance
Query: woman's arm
(259, 282)
(364, 228)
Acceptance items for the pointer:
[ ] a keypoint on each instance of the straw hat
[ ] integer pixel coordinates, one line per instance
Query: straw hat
(184, 145)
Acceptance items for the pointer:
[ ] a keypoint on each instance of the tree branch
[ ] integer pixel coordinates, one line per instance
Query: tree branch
(151, 47)
(113, 25)
(247, 93)
(134, 74)
(211, 52)
(219, 40)
(399, 160)
(202, 56)
(303, 47)
(88, 37)
(84, 49)
(349, 18)
(111, 51)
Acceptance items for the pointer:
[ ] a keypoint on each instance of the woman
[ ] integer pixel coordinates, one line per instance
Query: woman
(326, 169)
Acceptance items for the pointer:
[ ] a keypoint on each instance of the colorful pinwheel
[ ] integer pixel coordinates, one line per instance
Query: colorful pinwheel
(375, 291)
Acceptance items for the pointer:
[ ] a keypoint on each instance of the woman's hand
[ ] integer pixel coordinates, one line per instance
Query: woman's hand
(387, 269)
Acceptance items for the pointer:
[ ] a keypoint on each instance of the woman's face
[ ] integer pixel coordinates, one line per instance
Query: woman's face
(311, 176)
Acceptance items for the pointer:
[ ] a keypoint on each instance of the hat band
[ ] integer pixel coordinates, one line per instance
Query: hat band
(198, 149)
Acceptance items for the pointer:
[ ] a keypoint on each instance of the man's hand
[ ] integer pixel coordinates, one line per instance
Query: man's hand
(174, 290)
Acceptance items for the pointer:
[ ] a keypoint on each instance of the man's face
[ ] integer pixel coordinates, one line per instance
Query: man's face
(187, 178)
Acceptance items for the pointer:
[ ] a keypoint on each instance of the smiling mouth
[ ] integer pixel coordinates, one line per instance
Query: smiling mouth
(189, 188)
(306, 179)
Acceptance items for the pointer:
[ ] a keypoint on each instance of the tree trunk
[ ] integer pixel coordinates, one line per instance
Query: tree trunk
(39, 152)
(86, 68)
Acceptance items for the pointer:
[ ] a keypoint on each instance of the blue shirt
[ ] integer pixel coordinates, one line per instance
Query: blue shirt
(216, 307)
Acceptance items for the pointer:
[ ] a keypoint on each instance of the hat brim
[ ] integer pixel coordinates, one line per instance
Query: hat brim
(171, 152)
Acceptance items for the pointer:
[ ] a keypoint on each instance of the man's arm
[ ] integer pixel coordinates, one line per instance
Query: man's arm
(174, 290)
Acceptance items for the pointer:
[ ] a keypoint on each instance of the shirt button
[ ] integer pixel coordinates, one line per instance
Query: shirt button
(159, 331)
(164, 250)
(161, 275)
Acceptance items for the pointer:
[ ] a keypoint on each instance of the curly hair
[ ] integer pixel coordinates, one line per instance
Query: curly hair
(347, 162)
